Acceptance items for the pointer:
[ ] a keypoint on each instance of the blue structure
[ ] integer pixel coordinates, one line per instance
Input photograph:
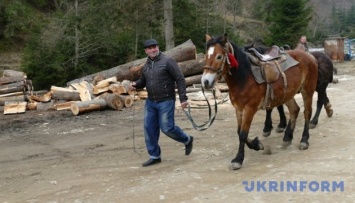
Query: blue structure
(349, 54)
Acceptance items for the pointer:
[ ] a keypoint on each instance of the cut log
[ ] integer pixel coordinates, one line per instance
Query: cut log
(192, 89)
(114, 101)
(12, 87)
(11, 94)
(117, 88)
(45, 106)
(15, 98)
(42, 98)
(63, 105)
(31, 106)
(132, 70)
(142, 94)
(127, 100)
(192, 67)
(98, 90)
(121, 88)
(39, 92)
(196, 79)
(85, 90)
(13, 73)
(60, 93)
(106, 82)
(6, 80)
(127, 84)
(14, 107)
(88, 106)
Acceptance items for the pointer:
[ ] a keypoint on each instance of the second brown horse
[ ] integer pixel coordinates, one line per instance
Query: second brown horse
(247, 96)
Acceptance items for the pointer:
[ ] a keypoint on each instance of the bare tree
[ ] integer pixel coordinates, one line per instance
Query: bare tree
(76, 35)
(168, 24)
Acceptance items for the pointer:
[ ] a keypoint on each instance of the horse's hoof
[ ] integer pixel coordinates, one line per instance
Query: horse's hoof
(266, 134)
(304, 146)
(235, 166)
(312, 126)
(279, 130)
(261, 146)
(286, 143)
(330, 112)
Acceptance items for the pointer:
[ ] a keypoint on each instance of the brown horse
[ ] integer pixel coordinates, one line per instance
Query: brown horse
(247, 96)
(325, 76)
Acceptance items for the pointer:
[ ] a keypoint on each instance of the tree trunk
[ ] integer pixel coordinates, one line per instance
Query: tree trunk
(132, 70)
(88, 106)
(168, 24)
(192, 67)
(196, 79)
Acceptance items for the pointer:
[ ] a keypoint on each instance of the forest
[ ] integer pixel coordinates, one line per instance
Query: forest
(60, 40)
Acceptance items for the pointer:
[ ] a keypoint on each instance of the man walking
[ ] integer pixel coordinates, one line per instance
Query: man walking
(160, 74)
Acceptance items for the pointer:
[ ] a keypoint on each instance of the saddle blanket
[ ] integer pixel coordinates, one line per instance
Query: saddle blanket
(288, 63)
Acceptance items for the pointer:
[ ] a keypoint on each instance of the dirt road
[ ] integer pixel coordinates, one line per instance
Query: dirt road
(96, 157)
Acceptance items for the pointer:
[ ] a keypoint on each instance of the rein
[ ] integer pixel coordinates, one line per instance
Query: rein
(207, 124)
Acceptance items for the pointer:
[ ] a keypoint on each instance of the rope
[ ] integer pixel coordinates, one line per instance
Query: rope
(133, 132)
(211, 119)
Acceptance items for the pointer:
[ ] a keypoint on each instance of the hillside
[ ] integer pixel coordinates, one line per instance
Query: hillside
(249, 29)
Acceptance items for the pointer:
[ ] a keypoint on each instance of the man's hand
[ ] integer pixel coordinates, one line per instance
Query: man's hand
(184, 104)
(132, 86)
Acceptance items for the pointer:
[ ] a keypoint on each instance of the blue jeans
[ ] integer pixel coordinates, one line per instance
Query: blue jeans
(160, 116)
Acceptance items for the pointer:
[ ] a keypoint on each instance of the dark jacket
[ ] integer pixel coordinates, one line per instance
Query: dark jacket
(160, 76)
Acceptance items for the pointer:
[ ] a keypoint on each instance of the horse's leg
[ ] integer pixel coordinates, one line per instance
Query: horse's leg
(307, 101)
(283, 122)
(268, 123)
(320, 103)
(244, 122)
(294, 109)
(328, 106)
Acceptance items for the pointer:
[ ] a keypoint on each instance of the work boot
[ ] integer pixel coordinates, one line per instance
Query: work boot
(151, 162)
(188, 147)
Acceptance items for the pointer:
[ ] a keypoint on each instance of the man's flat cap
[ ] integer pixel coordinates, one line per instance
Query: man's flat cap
(150, 42)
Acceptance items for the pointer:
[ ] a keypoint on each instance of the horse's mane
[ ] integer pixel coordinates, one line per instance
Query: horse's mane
(240, 74)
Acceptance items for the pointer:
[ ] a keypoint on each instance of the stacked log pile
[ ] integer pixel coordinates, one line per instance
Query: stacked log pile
(14, 89)
(105, 89)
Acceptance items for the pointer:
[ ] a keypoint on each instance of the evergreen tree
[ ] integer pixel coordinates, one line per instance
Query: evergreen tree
(288, 21)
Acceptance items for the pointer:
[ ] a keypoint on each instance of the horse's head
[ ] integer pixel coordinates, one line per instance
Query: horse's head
(217, 50)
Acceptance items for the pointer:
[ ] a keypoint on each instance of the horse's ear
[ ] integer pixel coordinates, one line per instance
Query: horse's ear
(208, 38)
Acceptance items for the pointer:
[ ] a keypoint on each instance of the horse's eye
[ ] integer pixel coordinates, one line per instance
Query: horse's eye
(219, 57)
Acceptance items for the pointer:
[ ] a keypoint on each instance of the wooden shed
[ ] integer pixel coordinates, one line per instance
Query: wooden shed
(334, 48)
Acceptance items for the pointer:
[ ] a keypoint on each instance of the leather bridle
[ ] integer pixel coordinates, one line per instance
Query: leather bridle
(221, 70)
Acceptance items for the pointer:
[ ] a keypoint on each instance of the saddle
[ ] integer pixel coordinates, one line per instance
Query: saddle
(269, 65)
